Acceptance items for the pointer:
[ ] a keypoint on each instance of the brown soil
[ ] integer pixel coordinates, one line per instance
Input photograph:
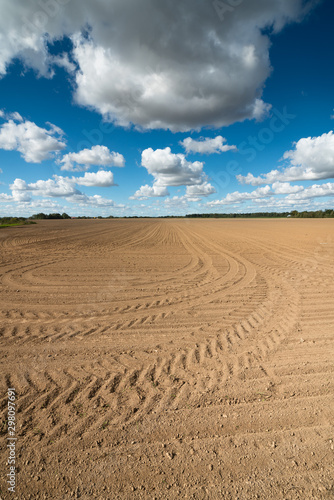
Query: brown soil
(169, 358)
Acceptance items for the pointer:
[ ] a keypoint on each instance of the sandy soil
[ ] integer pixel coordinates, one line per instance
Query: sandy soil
(169, 358)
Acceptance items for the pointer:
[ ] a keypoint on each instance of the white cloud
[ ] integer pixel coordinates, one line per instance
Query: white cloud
(311, 159)
(84, 159)
(199, 190)
(285, 188)
(207, 146)
(314, 156)
(56, 187)
(172, 87)
(264, 198)
(5, 197)
(63, 186)
(63, 61)
(21, 196)
(168, 64)
(315, 191)
(102, 178)
(176, 202)
(283, 204)
(238, 197)
(260, 109)
(11, 116)
(49, 205)
(28, 208)
(169, 169)
(34, 143)
(19, 184)
(257, 181)
(150, 192)
(20, 191)
(93, 201)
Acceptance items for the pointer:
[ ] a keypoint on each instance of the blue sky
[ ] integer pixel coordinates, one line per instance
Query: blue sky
(143, 108)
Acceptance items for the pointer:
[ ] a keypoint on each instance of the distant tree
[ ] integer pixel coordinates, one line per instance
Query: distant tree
(39, 216)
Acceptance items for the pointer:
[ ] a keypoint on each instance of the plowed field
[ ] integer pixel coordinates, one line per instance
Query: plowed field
(169, 358)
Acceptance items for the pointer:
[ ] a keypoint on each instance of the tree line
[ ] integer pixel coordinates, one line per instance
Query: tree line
(318, 214)
(50, 216)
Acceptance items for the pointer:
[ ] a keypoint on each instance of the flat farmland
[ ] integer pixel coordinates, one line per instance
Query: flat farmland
(169, 358)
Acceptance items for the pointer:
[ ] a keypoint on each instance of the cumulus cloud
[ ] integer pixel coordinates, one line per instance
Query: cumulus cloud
(176, 202)
(34, 143)
(314, 156)
(49, 205)
(285, 188)
(265, 197)
(169, 169)
(278, 204)
(21, 196)
(150, 192)
(102, 178)
(167, 64)
(56, 187)
(179, 83)
(84, 159)
(199, 191)
(314, 191)
(93, 201)
(5, 197)
(60, 187)
(207, 145)
(19, 184)
(311, 159)
(237, 197)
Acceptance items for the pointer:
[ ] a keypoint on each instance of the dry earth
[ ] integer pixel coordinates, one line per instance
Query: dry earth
(169, 358)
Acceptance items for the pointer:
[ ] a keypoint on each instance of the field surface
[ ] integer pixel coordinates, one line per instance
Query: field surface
(169, 358)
